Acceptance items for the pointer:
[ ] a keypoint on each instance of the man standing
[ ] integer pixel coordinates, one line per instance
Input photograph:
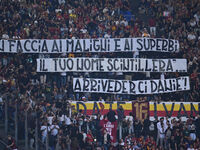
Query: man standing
(111, 115)
(147, 123)
(120, 113)
(53, 136)
(106, 140)
(197, 124)
(44, 129)
(162, 127)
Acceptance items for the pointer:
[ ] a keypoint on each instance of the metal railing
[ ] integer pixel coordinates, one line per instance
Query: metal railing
(17, 122)
(4, 145)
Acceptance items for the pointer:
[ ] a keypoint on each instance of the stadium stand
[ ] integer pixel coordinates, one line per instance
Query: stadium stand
(46, 96)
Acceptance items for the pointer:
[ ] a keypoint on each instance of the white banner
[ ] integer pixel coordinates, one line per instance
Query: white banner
(111, 65)
(130, 87)
(89, 45)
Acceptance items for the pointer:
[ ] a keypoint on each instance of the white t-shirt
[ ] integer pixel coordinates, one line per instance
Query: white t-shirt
(122, 143)
(159, 124)
(107, 36)
(44, 130)
(83, 30)
(197, 17)
(162, 131)
(50, 119)
(130, 118)
(62, 118)
(5, 36)
(67, 120)
(191, 37)
(84, 136)
(55, 128)
(124, 22)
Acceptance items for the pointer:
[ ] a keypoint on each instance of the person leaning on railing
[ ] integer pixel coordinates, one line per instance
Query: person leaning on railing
(11, 143)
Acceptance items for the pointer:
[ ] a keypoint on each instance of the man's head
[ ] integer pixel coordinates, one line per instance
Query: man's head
(161, 119)
(89, 132)
(9, 137)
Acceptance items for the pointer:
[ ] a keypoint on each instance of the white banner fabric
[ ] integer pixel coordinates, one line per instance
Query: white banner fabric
(131, 87)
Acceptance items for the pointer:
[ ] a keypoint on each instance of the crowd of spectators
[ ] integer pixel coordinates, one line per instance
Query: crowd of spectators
(65, 19)
(68, 129)
(92, 19)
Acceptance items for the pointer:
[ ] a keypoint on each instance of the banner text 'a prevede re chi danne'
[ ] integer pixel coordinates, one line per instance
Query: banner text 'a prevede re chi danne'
(130, 87)
(111, 65)
(89, 45)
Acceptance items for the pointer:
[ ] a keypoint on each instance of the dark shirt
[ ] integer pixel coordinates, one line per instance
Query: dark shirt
(111, 116)
(172, 143)
(11, 141)
(80, 139)
(74, 130)
(177, 140)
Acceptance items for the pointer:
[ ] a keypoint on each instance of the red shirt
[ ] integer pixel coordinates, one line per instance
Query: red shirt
(89, 138)
(13, 143)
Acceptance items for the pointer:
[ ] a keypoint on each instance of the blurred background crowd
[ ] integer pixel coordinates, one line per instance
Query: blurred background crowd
(72, 19)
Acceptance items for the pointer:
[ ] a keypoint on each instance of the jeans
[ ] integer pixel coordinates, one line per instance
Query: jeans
(52, 148)
(106, 146)
(68, 147)
(131, 129)
(167, 143)
(43, 139)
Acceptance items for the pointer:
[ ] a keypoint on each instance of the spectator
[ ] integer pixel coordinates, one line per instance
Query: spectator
(106, 140)
(11, 143)
(138, 128)
(161, 126)
(111, 115)
(89, 140)
(146, 126)
(44, 129)
(120, 113)
(131, 123)
(168, 134)
(5, 36)
(68, 142)
(152, 25)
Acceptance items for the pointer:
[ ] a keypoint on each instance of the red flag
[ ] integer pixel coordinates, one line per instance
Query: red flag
(111, 128)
